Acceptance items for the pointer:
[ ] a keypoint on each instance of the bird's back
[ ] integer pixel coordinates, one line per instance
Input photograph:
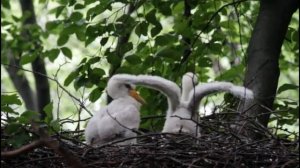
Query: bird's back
(114, 121)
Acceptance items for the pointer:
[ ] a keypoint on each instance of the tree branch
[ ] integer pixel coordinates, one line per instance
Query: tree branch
(57, 82)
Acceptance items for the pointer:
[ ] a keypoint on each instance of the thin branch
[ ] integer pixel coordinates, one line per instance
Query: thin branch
(23, 149)
(57, 82)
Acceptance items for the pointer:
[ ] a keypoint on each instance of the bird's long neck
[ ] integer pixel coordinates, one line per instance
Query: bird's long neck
(168, 88)
(185, 92)
(189, 82)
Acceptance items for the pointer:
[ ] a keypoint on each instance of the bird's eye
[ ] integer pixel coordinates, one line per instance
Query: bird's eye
(128, 86)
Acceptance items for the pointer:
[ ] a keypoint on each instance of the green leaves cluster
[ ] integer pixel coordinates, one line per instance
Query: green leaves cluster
(18, 124)
(165, 38)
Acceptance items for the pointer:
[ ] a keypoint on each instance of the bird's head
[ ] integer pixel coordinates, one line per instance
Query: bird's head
(189, 81)
(116, 89)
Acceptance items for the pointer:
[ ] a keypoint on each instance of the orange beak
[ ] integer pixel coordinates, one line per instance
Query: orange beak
(133, 93)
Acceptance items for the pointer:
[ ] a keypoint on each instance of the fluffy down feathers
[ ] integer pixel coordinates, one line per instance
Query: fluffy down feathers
(117, 120)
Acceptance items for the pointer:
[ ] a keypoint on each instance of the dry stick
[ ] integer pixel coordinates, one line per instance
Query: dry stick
(69, 157)
(131, 129)
(37, 160)
(57, 82)
(129, 138)
(45, 140)
(21, 150)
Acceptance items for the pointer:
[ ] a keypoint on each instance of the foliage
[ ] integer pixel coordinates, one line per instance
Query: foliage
(143, 37)
(17, 127)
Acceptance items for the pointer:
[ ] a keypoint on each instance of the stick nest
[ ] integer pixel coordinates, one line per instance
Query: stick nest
(168, 150)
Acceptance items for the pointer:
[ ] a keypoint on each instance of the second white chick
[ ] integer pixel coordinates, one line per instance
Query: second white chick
(181, 120)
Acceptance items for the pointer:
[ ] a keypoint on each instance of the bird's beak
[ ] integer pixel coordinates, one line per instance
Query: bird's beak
(133, 93)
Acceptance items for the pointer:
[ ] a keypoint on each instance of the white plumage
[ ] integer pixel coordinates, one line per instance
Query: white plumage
(178, 118)
(181, 119)
(170, 89)
(118, 119)
(182, 112)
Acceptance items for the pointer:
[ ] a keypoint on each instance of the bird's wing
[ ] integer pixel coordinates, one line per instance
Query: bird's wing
(202, 90)
(167, 87)
(115, 125)
(112, 122)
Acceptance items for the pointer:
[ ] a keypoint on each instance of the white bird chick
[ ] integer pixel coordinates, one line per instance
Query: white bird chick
(182, 112)
(181, 120)
(172, 91)
(119, 118)
(185, 117)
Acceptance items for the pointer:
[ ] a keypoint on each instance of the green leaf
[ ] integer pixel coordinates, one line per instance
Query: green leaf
(5, 4)
(87, 2)
(8, 110)
(156, 30)
(52, 54)
(232, 73)
(113, 59)
(12, 128)
(28, 116)
(67, 52)
(95, 75)
(59, 10)
(98, 72)
(48, 110)
(165, 39)
(10, 99)
(76, 16)
(27, 58)
(82, 81)
(55, 125)
(104, 41)
(95, 95)
(126, 47)
(52, 25)
(72, 2)
(94, 60)
(133, 59)
(151, 18)
(79, 6)
(142, 29)
(98, 9)
(89, 40)
(169, 52)
(181, 27)
(83, 60)
(80, 35)
(286, 87)
(62, 39)
(163, 7)
(231, 25)
(19, 139)
(69, 29)
(205, 62)
(70, 78)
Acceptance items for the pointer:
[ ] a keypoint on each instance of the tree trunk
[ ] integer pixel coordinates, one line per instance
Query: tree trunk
(263, 59)
(121, 41)
(41, 82)
(20, 82)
